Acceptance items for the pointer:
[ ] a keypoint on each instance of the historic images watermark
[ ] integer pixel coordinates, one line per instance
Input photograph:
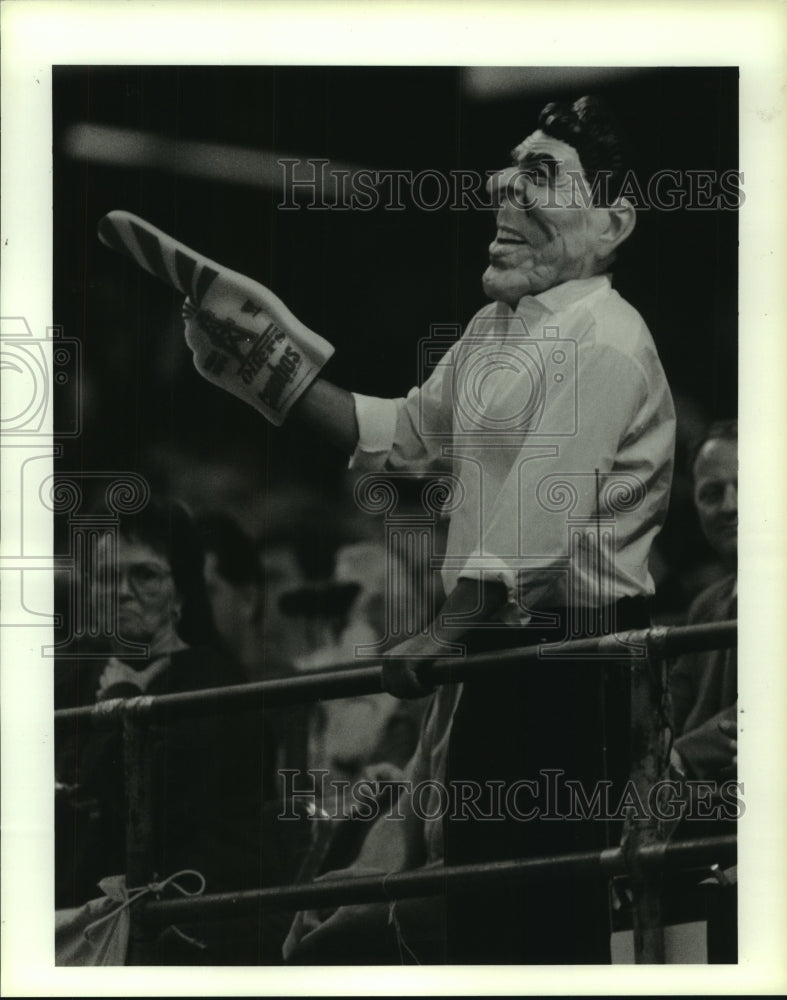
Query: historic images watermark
(548, 796)
(42, 405)
(315, 185)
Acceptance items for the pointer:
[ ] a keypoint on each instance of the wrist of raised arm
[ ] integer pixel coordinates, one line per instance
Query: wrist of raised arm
(330, 411)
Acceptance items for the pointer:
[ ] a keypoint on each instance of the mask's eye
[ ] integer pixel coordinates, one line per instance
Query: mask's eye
(531, 175)
(540, 172)
(540, 175)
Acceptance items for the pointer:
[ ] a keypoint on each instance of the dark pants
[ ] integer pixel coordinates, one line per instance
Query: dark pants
(546, 722)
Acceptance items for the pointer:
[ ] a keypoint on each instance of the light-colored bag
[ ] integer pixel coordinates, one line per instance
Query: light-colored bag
(98, 932)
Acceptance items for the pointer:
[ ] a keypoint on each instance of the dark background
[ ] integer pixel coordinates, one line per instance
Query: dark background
(371, 282)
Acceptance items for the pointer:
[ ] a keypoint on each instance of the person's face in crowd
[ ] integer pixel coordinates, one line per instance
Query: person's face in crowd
(148, 602)
(546, 233)
(716, 496)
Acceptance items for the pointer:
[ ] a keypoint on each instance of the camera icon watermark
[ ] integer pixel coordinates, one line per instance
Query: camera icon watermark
(42, 386)
(505, 381)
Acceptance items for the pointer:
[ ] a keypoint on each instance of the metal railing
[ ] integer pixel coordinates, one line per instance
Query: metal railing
(349, 679)
(642, 856)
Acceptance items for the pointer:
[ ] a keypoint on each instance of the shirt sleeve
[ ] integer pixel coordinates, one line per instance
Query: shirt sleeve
(376, 429)
(406, 433)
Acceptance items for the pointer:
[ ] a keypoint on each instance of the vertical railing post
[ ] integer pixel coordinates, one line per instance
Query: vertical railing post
(138, 769)
(647, 692)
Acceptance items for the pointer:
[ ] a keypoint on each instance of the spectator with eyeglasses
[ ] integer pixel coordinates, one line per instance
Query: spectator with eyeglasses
(206, 772)
(155, 570)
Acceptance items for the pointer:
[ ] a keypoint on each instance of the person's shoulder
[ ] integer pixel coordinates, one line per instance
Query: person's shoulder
(619, 327)
(618, 322)
(593, 313)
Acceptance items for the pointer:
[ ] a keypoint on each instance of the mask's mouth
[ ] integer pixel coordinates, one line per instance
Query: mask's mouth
(508, 237)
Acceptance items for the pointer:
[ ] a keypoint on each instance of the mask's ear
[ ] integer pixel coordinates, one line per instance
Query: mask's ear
(621, 217)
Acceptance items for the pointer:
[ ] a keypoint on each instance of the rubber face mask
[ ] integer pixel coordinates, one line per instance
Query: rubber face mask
(546, 231)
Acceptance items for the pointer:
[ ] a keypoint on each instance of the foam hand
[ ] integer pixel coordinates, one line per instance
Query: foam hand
(244, 339)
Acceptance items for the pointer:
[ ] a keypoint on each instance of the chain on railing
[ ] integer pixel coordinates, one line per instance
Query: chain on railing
(642, 855)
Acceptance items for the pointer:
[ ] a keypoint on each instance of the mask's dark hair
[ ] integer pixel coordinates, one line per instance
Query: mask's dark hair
(167, 527)
(591, 129)
(721, 430)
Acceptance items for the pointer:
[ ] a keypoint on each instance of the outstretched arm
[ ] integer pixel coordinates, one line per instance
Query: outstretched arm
(330, 411)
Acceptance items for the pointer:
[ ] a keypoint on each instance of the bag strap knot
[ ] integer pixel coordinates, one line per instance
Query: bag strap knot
(156, 888)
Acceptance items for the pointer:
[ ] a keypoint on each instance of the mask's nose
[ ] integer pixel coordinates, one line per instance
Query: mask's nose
(511, 186)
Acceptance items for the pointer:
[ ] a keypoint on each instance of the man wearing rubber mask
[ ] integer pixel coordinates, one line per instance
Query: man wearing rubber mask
(553, 415)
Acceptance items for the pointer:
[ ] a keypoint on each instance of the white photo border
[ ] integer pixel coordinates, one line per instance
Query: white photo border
(38, 34)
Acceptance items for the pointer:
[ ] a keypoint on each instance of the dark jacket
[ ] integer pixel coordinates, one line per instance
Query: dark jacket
(206, 788)
(704, 688)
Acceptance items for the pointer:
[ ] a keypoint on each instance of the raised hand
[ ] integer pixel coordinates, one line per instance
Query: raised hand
(244, 339)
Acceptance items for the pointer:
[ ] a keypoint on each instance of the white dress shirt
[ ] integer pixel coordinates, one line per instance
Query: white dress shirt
(556, 426)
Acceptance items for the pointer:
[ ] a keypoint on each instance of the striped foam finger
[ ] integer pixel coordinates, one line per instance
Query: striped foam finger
(159, 254)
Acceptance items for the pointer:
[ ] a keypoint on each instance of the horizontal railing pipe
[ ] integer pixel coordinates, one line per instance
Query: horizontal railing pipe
(464, 878)
(351, 679)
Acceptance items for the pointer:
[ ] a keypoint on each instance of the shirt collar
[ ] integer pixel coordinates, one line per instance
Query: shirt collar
(567, 294)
